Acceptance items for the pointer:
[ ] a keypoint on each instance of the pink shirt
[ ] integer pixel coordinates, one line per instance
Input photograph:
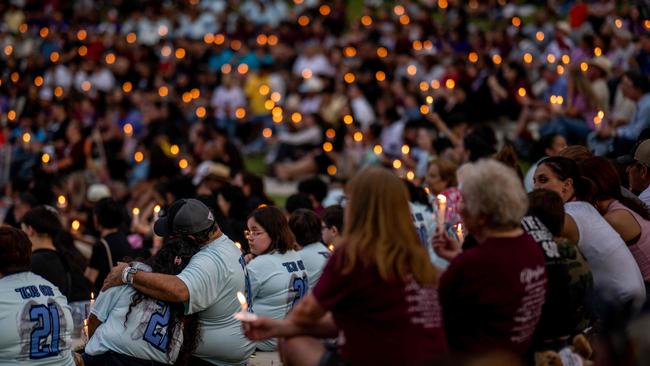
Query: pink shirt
(641, 249)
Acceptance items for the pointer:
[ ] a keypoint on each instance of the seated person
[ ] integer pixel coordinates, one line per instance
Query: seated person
(36, 320)
(306, 227)
(278, 278)
(128, 327)
(332, 229)
(570, 285)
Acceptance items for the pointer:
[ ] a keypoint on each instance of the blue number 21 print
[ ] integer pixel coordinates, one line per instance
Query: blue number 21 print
(156, 332)
(44, 339)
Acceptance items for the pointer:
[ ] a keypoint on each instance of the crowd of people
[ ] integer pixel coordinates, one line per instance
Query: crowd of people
(131, 131)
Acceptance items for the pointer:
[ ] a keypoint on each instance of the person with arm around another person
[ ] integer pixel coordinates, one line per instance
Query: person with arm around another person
(208, 285)
(381, 261)
(130, 328)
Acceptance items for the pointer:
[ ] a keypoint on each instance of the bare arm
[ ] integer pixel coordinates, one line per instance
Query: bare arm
(155, 285)
(570, 230)
(307, 318)
(93, 324)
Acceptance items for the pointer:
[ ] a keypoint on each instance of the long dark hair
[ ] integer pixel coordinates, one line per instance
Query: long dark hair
(45, 220)
(566, 168)
(608, 184)
(171, 259)
(275, 224)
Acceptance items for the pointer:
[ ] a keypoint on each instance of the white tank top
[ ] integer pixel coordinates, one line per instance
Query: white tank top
(616, 275)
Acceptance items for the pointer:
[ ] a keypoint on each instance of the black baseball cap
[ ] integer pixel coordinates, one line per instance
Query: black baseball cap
(185, 216)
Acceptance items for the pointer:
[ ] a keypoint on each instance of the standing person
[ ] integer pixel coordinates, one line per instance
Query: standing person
(277, 273)
(381, 261)
(617, 279)
(127, 327)
(112, 245)
(54, 256)
(486, 309)
(306, 227)
(208, 286)
(36, 320)
(332, 227)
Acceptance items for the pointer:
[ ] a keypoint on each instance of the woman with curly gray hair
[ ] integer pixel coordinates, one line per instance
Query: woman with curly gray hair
(491, 294)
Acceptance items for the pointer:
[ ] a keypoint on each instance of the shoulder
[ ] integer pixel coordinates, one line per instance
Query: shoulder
(619, 216)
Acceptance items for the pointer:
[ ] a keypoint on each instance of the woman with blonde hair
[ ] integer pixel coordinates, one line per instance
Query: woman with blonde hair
(378, 282)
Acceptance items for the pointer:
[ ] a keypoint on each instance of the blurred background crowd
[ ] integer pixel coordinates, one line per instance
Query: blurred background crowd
(112, 110)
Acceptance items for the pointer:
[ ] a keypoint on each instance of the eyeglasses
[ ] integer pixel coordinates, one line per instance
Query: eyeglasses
(253, 234)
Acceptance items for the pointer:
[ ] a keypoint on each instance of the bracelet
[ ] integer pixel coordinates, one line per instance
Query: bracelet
(125, 273)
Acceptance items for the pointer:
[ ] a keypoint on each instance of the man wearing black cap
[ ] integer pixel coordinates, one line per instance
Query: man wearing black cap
(638, 170)
(208, 285)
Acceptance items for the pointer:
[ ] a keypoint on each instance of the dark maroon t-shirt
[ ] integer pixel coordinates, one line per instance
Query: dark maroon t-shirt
(492, 295)
(381, 323)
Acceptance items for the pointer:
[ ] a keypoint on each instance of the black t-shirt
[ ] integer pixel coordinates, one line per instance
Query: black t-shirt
(47, 264)
(119, 247)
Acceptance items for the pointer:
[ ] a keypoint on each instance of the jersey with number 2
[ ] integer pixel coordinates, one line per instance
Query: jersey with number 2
(35, 322)
(142, 335)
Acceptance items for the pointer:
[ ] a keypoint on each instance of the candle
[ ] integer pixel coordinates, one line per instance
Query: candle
(92, 299)
(85, 330)
(242, 301)
(459, 233)
(442, 208)
(244, 315)
(331, 247)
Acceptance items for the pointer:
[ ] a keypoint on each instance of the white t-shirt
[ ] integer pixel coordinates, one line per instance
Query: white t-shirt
(145, 334)
(277, 281)
(213, 277)
(617, 277)
(36, 322)
(314, 256)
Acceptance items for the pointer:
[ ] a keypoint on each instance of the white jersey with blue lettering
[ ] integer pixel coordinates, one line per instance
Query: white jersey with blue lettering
(35, 322)
(142, 334)
(213, 277)
(425, 226)
(277, 281)
(314, 256)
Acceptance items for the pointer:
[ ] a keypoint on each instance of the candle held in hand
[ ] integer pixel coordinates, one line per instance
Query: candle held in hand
(242, 301)
(459, 232)
(244, 315)
(442, 209)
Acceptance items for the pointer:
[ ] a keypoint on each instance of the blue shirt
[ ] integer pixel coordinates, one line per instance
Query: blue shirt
(639, 121)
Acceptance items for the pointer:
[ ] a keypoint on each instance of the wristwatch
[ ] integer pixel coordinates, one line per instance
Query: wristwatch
(127, 275)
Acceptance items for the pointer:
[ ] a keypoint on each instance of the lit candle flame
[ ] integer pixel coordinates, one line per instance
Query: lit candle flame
(242, 301)
(459, 232)
(331, 247)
